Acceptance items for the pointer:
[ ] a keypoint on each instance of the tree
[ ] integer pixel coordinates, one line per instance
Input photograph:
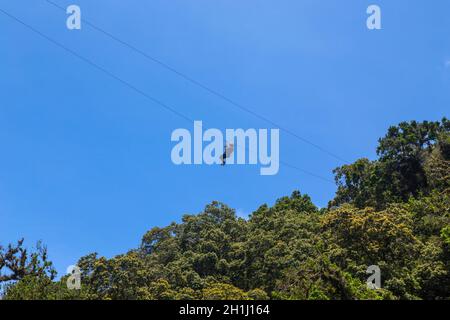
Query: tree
(393, 212)
(223, 291)
(16, 262)
(369, 237)
(405, 155)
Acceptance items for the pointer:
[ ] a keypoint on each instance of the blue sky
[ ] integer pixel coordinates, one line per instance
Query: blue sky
(85, 161)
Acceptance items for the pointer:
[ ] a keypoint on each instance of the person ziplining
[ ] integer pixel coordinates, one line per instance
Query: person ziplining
(228, 150)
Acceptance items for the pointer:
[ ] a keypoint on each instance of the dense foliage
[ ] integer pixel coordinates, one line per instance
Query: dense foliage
(392, 212)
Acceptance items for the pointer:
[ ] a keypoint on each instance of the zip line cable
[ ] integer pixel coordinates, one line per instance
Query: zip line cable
(129, 85)
(203, 86)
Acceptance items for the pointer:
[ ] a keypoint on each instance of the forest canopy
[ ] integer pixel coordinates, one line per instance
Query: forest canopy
(392, 212)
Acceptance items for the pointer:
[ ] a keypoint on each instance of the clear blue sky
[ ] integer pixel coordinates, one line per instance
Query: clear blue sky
(85, 161)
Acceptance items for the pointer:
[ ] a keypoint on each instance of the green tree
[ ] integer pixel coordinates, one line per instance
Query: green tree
(406, 153)
(17, 262)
